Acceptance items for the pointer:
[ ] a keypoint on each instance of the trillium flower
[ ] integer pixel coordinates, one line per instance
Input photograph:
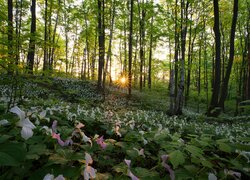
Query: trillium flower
(25, 123)
(80, 125)
(54, 126)
(4, 122)
(60, 141)
(130, 174)
(51, 177)
(211, 176)
(164, 158)
(140, 152)
(85, 138)
(117, 127)
(89, 172)
(100, 141)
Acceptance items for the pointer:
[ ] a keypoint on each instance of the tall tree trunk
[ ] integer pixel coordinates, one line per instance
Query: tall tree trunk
(51, 61)
(173, 74)
(18, 18)
(101, 41)
(180, 97)
(224, 88)
(32, 43)
(108, 59)
(190, 60)
(150, 55)
(142, 14)
(45, 58)
(130, 48)
(10, 37)
(94, 58)
(212, 111)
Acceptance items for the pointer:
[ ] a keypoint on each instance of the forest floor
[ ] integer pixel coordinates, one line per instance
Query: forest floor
(65, 119)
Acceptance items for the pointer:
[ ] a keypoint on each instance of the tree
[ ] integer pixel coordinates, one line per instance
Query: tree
(212, 111)
(10, 37)
(130, 48)
(32, 43)
(101, 42)
(224, 87)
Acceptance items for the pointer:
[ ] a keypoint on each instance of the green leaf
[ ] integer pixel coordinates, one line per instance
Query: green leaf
(7, 160)
(4, 138)
(195, 151)
(224, 147)
(206, 163)
(145, 173)
(176, 158)
(120, 168)
(16, 150)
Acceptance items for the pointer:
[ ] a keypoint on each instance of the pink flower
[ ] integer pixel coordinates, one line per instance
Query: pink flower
(130, 174)
(54, 126)
(60, 141)
(101, 142)
(168, 168)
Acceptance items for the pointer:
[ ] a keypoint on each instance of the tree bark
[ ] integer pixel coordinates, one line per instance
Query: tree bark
(150, 55)
(212, 111)
(101, 41)
(130, 48)
(224, 88)
(45, 58)
(10, 37)
(32, 43)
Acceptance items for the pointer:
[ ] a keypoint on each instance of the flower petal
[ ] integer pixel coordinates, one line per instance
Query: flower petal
(26, 132)
(211, 176)
(89, 172)
(128, 162)
(18, 111)
(4, 122)
(101, 142)
(88, 158)
(133, 177)
(59, 177)
(168, 168)
(79, 125)
(27, 123)
(54, 125)
(48, 177)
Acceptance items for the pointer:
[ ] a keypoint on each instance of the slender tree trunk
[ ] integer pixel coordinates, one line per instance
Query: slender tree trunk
(94, 58)
(173, 74)
(224, 88)
(108, 59)
(130, 48)
(32, 43)
(45, 58)
(101, 41)
(180, 97)
(142, 14)
(10, 37)
(51, 61)
(212, 111)
(150, 55)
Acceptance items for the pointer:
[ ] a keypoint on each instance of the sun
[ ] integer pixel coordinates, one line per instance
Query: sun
(123, 80)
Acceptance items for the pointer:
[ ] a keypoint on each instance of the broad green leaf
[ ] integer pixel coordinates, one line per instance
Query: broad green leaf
(145, 173)
(176, 158)
(120, 168)
(16, 150)
(224, 147)
(7, 160)
(195, 151)
(4, 138)
(206, 163)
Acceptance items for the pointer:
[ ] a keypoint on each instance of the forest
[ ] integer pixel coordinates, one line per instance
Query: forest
(124, 89)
